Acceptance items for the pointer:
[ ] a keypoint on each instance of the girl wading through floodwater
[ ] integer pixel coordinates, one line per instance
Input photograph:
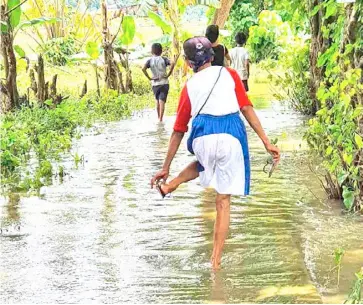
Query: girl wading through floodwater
(213, 98)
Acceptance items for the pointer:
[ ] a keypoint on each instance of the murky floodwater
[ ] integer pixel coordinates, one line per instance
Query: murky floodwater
(104, 236)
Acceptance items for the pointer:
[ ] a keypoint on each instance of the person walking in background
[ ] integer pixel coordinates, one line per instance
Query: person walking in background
(221, 56)
(213, 98)
(240, 59)
(159, 80)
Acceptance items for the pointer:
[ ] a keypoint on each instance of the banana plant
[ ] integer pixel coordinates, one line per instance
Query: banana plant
(10, 25)
(124, 41)
(173, 11)
(94, 51)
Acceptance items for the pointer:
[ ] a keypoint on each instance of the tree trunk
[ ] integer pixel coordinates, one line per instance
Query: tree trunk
(111, 73)
(318, 46)
(352, 27)
(33, 82)
(84, 89)
(41, 92)
(128, 83)
(9, 89)
(53, 87)
(221, 14)
(315, 47)
(97, 80)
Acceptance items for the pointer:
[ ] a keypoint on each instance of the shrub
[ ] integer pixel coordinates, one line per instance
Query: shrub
(140, 83)
(268, 38)
(293, 83)
(41, 135)
(241, 18)
(57, 51)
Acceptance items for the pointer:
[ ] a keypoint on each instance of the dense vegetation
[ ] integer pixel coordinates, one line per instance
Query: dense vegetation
(312, 50)
(318, 47)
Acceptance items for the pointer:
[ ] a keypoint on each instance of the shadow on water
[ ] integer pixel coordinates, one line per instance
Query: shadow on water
(104, 236)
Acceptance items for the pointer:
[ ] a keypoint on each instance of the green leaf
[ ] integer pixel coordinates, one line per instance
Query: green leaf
(322, 59)
(38, 21)
(341, 178)
(315, 10)
(345, 98)
(347, 158)
(20, 51)
(164, 40)
(322, 111)
(358, 140)
(4, 27)
(48, 102)
(15, 14)
(329, 151)
(348, 197)
(182, 9)
(128, 30)
(357, 112)
(92, 50)
(161, 23)
(343, 84)
(331, 9)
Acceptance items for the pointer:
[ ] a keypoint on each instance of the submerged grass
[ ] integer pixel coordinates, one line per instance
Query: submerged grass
(33, 138)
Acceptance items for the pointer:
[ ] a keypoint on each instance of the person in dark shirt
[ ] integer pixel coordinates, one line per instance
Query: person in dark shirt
(221, 56)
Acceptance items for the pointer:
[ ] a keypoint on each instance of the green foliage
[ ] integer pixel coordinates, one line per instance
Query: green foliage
(111, 106)
(93, 50)
(295, 13)
(338, 256)
(128, 30)
(267, 39)
(15, 14)
(140, 83)
(41, 135)
(334, 133)
(19, 51)
(15, 17)
(160, 22)
(210, 14)
(293, 83)
(4, 27)
(57, 51)
(241, 18)
(38, 21)
(355, 295)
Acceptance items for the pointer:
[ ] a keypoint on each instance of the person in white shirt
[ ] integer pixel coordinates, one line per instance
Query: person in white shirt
(240, 59)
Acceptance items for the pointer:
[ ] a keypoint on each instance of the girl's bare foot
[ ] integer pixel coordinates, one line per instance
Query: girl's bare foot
(165, 188)
(216, 263)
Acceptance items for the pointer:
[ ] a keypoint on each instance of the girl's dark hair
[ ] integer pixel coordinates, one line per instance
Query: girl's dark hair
(212, 33)
(156, 49)
(240, 38)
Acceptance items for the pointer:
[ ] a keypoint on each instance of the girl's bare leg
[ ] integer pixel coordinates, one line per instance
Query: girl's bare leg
(187, 174)
(221, 228)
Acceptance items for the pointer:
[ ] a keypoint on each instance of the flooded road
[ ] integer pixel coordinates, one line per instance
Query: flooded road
(103, 236)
